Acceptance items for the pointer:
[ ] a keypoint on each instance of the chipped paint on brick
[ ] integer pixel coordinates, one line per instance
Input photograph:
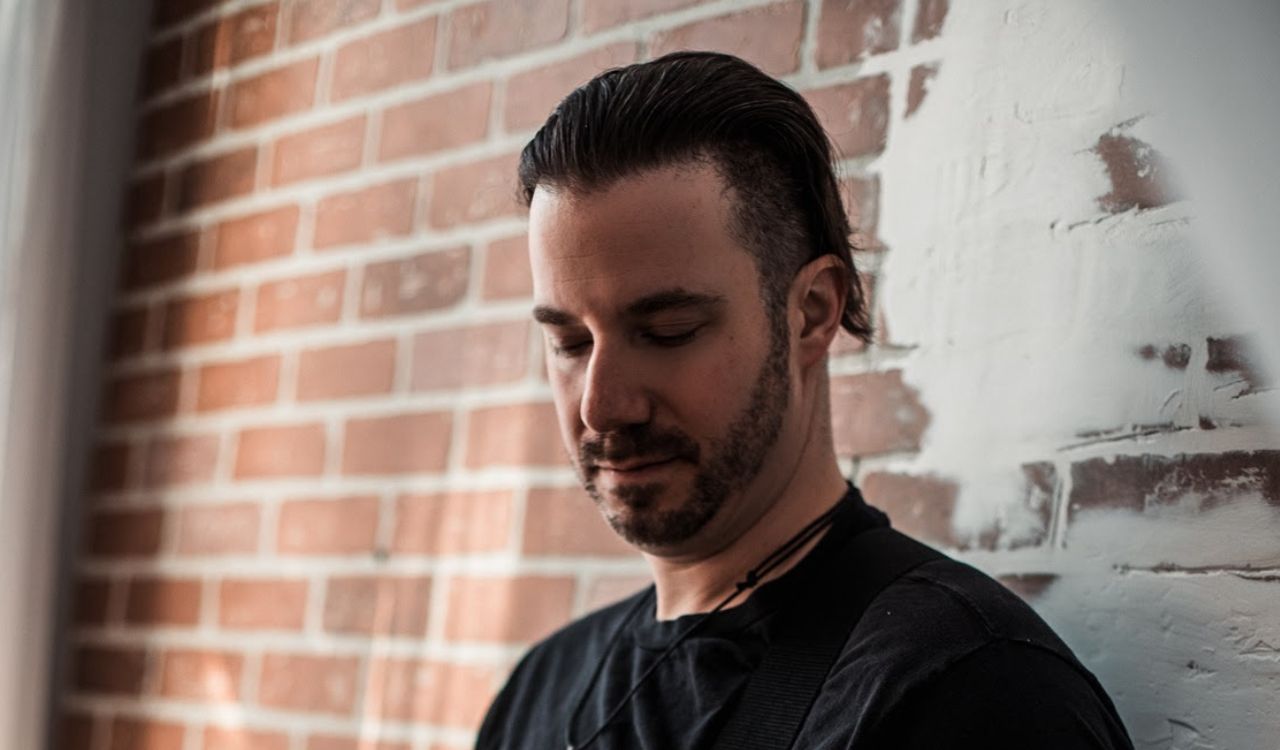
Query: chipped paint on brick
(918, 86)
(1135, 170)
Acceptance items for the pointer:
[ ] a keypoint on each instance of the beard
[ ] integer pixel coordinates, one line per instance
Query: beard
(731, 463)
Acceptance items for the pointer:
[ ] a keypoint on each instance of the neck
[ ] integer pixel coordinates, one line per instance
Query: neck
(692, 584)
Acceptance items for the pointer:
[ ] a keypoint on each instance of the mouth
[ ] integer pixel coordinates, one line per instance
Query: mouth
(637, 469)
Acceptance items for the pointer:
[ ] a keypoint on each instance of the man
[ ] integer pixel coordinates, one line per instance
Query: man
(692, 265)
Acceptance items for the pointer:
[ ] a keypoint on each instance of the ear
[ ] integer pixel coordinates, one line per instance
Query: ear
(818, 296)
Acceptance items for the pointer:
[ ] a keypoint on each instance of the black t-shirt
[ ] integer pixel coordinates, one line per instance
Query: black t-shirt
(943, 657)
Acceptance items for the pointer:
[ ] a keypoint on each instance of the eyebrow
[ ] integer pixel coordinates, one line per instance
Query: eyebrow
(650, 304)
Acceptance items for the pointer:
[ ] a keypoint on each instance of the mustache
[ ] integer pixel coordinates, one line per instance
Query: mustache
(637, 441)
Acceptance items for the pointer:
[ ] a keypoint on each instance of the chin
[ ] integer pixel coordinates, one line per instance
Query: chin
(656, 515)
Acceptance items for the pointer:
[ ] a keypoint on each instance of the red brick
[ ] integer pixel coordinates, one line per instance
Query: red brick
(1174, 356)
(499, 28)
(240, 738)
(232, 39)
(844, 342)
(471, 356)
(124, 533)
(109, 467)
(90, 601)
(1138, 174)
(174, 460)
(291, 450)
(141, 396)
(206, 319)
(930, 17)
(918, 87)
(316, 684)
(397, 444)
(335, 742)
(269, 96)
(145, 201)
(161, 260)
(921, 506)
(1234, 357)
(319, 152)
(146, 734)
(518, 609)
(171, 12)
(256, 237)
(531, 95)
(173, 127)
(507, 274)
(768, 36)
(364, 215)
(862, 204)
(876, 413)
(239, 383)
(299, 302)
(849, 30)
(127, 336)
(430, 692)
(230, 529)
(163, 601)
(373, 605)
(855, 115)
(382, 60)
(454, 523)
(474, 192)
(337, 526)
(1202, 481)
(603, 14)
(162, 67)
(610, 589)
(347, 371)
(74, 731)
(429, 281)
(563, 521)
(217, 178)
(514, 435)
(436, 123)
(309, 19)
(273, 604)
(108, 669)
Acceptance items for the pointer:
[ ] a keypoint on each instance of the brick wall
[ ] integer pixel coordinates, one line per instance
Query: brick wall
(329, 507)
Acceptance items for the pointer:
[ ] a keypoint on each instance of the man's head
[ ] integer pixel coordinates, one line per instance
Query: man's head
(691, 264)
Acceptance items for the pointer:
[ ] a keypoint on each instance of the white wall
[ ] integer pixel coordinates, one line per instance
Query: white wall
(1021, 305)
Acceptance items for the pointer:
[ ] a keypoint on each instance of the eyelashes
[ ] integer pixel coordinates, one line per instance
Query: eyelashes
(570, 349)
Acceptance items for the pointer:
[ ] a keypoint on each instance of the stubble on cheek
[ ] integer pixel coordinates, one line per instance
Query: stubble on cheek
(727, 465)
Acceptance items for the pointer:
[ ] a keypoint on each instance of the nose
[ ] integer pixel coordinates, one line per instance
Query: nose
(612, 395)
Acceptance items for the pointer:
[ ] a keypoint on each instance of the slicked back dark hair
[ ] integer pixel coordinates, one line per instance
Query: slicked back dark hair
(707, 107)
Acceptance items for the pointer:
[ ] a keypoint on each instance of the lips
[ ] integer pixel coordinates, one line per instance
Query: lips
(634, 465)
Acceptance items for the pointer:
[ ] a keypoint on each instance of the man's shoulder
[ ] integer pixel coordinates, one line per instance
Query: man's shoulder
(921, 627)
(949, 606)
(949, 642)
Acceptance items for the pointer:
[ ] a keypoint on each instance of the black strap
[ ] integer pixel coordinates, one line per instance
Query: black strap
(783, 688)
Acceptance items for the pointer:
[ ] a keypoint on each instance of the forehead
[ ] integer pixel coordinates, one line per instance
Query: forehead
(664, 228)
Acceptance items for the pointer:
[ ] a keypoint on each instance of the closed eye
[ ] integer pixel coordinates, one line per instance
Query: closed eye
(667, 339)
(569, 349)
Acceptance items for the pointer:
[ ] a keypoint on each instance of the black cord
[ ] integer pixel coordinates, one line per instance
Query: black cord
(752, 579)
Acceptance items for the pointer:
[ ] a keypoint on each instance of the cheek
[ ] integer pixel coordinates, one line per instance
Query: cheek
(567, 397)
(705, 392)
